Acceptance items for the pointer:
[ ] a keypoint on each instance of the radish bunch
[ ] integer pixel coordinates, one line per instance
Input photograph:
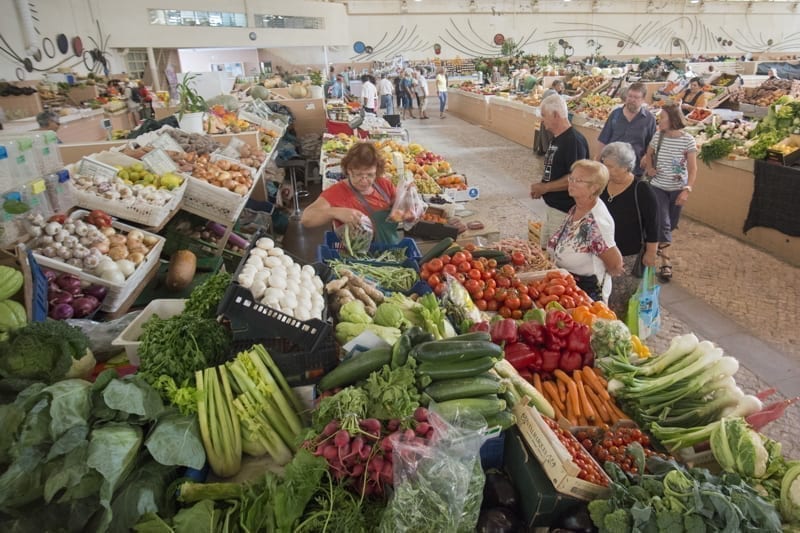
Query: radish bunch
(362, 459)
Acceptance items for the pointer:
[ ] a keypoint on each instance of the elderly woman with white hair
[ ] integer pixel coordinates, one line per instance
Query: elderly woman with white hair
(634, 208)
(584, 244)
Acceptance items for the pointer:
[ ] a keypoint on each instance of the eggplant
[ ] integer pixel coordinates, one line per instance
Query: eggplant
(498, 491)
(577, 519)
(499, 520)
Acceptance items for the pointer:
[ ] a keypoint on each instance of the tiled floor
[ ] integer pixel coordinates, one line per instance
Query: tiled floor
(723, 290)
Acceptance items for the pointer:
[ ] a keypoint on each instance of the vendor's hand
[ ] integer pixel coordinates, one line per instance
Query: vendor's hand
(349, 216)
(649, 258)
(537, 190)
(682, 198)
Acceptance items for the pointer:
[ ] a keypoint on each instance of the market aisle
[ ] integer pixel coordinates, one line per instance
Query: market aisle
(739, 297)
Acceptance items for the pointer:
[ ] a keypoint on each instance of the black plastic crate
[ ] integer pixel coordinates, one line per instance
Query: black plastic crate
(299, 367)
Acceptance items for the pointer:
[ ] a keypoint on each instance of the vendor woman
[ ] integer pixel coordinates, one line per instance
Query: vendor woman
(693, 97)
(364, 192)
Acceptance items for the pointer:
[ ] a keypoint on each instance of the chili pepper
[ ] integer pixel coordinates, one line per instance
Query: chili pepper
(479, 326)
(559, 323)
(533, 333)
(535, 315)
(550, 360)
(504, 331)
(570, 361)
(520, 355)
(578, 339)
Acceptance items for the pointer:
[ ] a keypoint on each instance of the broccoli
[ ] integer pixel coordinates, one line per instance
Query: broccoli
(45, 351)
(669, 520)
(693, 523)
(652, 485)
(618, 521)
(598, 510)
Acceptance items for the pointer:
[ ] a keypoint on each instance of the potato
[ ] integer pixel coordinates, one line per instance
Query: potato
(182, 268)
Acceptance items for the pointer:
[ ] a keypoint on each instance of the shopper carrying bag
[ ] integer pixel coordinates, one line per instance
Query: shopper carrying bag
(644, 309)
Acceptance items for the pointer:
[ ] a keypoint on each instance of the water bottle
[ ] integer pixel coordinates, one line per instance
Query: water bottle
(6, 177)
(22, 160)
(48, 158)
(59, 191)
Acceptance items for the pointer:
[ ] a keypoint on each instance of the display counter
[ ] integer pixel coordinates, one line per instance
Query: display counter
(474, 108)
(84, 125)
(513, 120)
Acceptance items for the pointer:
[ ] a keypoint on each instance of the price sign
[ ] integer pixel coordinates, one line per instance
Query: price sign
(165, 142)
(159, 162)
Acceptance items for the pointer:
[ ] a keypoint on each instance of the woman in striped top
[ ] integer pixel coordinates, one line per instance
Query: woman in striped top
(671, 163)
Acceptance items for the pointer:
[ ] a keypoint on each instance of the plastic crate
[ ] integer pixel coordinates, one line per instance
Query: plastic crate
(335, 247)
(298, 366)
(408, 263)
(491, 453)
(176, 240)
(39, 284)
(129, 338)
(216, 203)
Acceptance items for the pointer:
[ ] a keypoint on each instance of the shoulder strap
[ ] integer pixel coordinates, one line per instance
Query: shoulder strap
(658, 145)
(638, 212)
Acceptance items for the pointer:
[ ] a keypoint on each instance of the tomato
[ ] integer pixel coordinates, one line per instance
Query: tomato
(505, 312)
(439, 289)
(459, 258)
(445, 259)
(512, 302)
(461, 277)
(508, 270)
(450, 269)
(554, 274)
(479, 266)
(467, 255)
(518, 258)
(471, 285)
(525, 302)
(557, 290)
(424, 274)
(516, 314)
(471, 247)
(464, 267)
(434, 280)
(491, 305)
(544, 300)
(478, 294)
(500, 294)
(435, 265)
(521, 288)
(492, 283)
(533, 292)
(481, 304)
(503, 281)
(492, 263)
(486, 275)
(488, 292)
(474, 273)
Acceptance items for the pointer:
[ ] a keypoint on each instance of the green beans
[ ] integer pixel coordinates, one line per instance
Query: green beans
(393, 278)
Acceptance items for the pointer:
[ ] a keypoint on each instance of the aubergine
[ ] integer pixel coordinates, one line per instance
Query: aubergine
(499, 520)
(498, 491)
(577, 519)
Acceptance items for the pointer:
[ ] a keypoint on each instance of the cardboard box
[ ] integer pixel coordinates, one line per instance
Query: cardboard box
(540, 502)
(458, 195)
(780, 158)
(554, 457)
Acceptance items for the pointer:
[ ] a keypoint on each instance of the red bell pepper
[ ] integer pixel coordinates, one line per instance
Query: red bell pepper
(554, 342)
(578, 339)
(559, 323)
(504, 331)
(588, 358)
(532, 333)
(520, 355)
(479, 326)
(550, 360)
(570, 361)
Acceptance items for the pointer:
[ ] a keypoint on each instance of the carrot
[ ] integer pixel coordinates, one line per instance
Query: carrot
(582, 421)
(562, 390)
(570, 412)
(599, 375)
(551, 391)
(572, 390)
(558, 412)
(618, 412)
(591, 379)
(537, 383)
(586, 407)
(598, 404)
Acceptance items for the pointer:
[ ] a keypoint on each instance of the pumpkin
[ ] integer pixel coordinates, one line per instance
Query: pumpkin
(298, 90)
(259, 92)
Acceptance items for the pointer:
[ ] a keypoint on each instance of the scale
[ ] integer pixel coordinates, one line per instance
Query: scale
(106, 124)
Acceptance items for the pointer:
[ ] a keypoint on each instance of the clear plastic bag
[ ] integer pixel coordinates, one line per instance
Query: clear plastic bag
(438, 484)
(101, 334)
(408, 206)
(356, 238)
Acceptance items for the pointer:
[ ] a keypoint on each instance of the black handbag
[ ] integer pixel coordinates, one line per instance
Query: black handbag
(590, 285)
(638, 265)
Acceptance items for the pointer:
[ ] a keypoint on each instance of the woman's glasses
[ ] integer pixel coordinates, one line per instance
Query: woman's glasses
(573, 179)
(363, 176)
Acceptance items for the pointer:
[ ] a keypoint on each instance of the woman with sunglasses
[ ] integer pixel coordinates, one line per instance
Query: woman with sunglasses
(364, 192)
(584, 244)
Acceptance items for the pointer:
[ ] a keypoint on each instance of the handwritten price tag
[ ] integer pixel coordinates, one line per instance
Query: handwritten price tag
(159, 162)
(165, 142)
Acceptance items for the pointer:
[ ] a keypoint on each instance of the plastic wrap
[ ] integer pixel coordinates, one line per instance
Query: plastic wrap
(102, 333)
(357, 237)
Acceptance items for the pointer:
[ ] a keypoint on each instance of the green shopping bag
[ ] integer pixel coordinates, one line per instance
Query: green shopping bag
(644, 309)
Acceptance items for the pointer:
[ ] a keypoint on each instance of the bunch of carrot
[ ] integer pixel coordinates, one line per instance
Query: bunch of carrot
(582, 398)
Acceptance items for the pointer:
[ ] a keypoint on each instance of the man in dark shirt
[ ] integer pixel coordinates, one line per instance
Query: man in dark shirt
(632, 123)
(567, 146)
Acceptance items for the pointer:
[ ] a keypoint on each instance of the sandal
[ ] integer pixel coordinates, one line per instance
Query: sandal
(665, 273)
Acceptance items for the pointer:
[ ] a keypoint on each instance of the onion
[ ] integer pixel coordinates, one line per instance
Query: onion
(96, 291)
(69, 283)
(113, 276)
(61, 312)
(135, 235)
(50, 275)
(117, 240)
(102, 246)
(85, 306)
(136, 257)
(118, 252)
(126, 267)
(108, 231)
(60, 297)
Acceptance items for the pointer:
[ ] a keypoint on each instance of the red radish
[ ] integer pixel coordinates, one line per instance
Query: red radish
(371, 426)
(408, 435)
(357, 470)
(429, 434)
(387, 474)
(342, 438)
(421, 414)
(330, 452)
(393, 424)
(422, 428)
(330, 428)
(387, 445)
(769, 413)
(365, 452)
(376, 464)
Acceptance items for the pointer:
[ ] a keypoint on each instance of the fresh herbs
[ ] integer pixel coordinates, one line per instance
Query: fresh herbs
(205, 297)
(392, 393)
(716, 149)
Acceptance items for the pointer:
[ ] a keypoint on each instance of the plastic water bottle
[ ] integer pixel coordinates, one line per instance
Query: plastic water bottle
(22, 159)
(59, 191)
(6, 178)
(48, 158)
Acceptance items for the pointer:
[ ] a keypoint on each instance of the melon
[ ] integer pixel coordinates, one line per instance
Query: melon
(298, 90)
(259, 92)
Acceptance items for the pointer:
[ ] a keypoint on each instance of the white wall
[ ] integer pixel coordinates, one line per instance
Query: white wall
(200, 59)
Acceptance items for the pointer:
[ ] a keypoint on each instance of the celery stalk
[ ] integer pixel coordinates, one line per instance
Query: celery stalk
(278, 375)
(277, 395)
(263, 430)
(222, 436)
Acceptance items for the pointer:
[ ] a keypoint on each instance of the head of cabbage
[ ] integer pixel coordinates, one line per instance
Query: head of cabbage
(737, 448)
(390, 315)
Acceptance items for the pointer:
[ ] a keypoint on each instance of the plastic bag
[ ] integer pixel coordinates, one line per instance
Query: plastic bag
(438, 484)
(644, 310)
(458, 303)
(408, 206)
(101, 334)
(356, 238)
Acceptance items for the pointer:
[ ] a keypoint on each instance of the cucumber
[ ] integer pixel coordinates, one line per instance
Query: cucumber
(358, 367)
(453, 249)
(451, 389)
(504, 419)
(472, 336)
(436, 250)
(484, 407)
(488, 253)
(452, 351)
(400, 351)
(419, 335)
(462, 369)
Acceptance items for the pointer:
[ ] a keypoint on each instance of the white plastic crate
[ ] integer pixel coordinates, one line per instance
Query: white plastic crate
(129, 338)
(117, 293)
(216, 203)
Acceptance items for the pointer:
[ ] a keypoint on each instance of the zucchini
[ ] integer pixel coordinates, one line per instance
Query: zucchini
(462, 369)
(451, 389)
(472, 336)
(356, 368)
(488, 253)
(400, 351)
(484, 407)
(451, 351)
(417, 335)
(504, 419)
(453, 249)
(436, 250)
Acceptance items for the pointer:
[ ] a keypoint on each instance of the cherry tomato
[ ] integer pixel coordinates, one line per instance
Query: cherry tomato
(491, 305)
(492, 263)
(518, 258)
(525, 302)
(434, 280)
(474, 273)
(488, 292)
(450, 269)
(435, 265)
(481, 304)
(508, 270)
(512, 302)
(464, 267)
(459, 258)
(516, 314)
(505, 312)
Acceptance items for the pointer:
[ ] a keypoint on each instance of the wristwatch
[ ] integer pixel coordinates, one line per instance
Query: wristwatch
(688, 188)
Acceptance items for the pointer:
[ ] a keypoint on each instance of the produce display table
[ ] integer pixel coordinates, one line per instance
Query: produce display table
(513, 120)
(473, 108)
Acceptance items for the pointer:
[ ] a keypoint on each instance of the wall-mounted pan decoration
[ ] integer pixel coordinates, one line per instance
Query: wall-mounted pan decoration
(62, 42)
(28, 64)
(37, 55)
(368, 50)
(359, 47)
(499, 39)
(77, 46)
(48, 47)
(20, 73)
(437, 49)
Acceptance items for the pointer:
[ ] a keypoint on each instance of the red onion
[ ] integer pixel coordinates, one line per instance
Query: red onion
(60, 297)
(85, 306)
(69, 283)
(98, 291)
(61, 312)
(49, 275)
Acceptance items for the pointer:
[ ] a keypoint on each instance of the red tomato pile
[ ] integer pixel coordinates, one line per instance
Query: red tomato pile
(558, 287)
(492, 287)
(610, 445)
(590, 470)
